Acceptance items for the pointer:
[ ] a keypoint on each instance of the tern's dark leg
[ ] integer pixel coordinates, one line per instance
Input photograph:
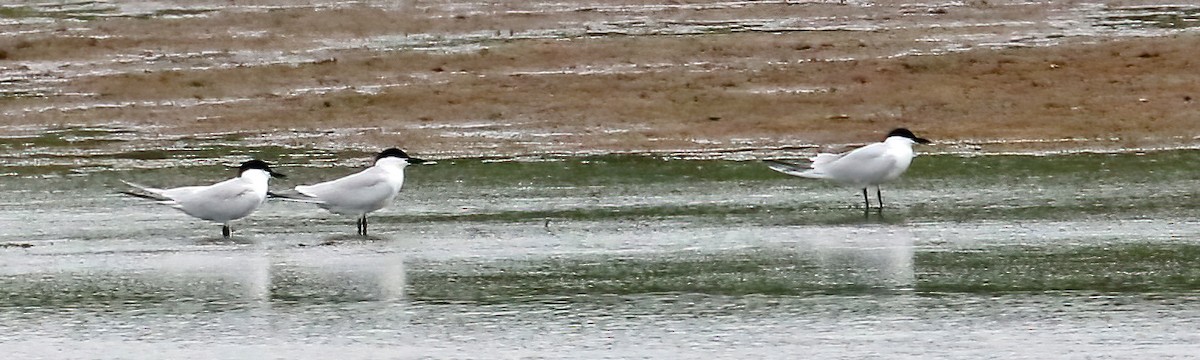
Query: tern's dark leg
(865, 199)
(879, 195)
(358, 226)
(364, 233)
(226, 231)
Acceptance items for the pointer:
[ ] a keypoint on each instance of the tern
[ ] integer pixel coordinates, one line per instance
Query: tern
(870, 165)
(222, 202)
(363, 192)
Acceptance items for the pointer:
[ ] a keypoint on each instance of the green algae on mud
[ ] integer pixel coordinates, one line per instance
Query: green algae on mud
(936, 187)
(1109, 268)
(613, 187)
(1134, 267)
(737, 273)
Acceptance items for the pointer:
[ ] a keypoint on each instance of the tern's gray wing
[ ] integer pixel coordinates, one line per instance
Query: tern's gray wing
(823, 159)
(359, 193)
(865, 165)
(224, 201)
(182, 192)
(228, 190)
(365, 179)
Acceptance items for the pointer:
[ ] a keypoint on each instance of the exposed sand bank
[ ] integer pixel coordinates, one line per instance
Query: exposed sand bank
(529, 77)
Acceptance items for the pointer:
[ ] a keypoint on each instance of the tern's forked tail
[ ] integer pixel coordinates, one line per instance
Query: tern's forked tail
(293, 197)
(792, 169)
(147, 192)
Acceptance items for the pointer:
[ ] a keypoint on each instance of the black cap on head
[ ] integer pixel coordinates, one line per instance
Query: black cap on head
(397, 153)
(392, 152)
(258, 165)
(902, 132)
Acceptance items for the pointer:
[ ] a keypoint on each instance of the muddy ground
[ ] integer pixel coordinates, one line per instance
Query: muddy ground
(518, 77)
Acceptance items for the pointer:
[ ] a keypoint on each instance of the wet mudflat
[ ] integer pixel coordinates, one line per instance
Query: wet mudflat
(505, 78)
(619, 256)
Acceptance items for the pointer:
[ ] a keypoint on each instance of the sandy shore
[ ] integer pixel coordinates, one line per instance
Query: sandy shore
(530, 77)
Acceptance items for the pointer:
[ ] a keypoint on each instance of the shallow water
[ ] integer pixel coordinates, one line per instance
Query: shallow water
(1064, 256)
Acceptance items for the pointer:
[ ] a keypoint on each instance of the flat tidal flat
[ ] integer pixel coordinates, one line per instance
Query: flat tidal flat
(511, 78)
(598, 192)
